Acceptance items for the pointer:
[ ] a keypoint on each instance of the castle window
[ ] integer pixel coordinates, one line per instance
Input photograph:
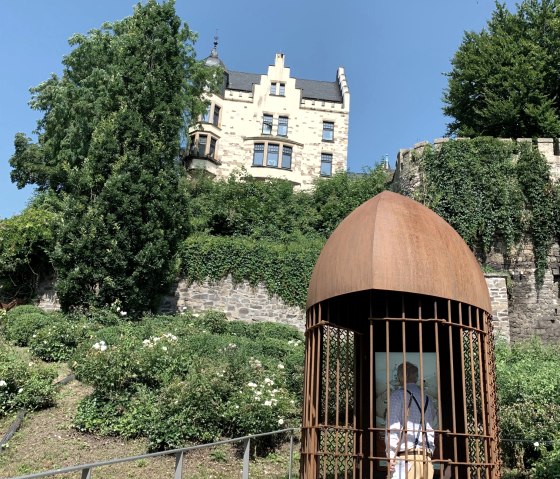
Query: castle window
(202, 140)
(268, 155)
(326, 164)
(216, 117)
(206, 115)
(267, 124)
(212, 150)
(287, 157)
(258, 154)
(272, 155)
(328, 131)
(278, 89)
(283, 126)
(203, 146)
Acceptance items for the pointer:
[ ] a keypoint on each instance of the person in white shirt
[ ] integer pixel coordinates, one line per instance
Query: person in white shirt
(410, 446)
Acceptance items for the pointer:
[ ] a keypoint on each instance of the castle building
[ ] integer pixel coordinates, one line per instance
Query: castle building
(273, 126)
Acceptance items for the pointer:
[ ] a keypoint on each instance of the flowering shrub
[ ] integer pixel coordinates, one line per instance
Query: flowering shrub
(23, 384)
(172, 380)
(57, 340)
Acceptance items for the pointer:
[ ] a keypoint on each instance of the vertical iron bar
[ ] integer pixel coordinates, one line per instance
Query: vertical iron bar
(423, 428)
(246, 455)
(179, 465)
(405, 372)
(388, 383)
(371, 405)
(438, 380)
(86, 473)
(481, 352)
(337, 403)
(346, 416)
(319, 333)
(452, 374)
(466, 425)
(474, 395)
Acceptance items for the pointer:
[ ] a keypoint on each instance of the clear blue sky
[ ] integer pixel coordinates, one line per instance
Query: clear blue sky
(395, 53)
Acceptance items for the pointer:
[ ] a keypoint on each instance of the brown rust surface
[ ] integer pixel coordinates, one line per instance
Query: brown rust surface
(396, 244)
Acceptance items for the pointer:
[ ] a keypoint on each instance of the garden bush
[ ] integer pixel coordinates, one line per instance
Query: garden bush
(22, 322)
(23, 384)
(528, 383)
(186, 378)
(57, 340)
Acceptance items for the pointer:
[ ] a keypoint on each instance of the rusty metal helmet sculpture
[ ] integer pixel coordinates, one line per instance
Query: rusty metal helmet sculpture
(399, 368)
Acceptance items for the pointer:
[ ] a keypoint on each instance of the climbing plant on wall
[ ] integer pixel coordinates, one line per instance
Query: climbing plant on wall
(285, 269)
(492, 191)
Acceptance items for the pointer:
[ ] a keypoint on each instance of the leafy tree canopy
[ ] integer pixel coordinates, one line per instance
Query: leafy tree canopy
(504, 80)
(107, 144)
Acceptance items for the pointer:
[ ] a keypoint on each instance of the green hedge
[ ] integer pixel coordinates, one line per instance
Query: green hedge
(285, 269)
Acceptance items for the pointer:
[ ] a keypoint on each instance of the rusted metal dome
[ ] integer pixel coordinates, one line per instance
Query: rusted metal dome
(393, 243)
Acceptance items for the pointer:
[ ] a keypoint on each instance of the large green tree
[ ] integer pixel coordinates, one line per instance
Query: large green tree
(108, 143)
(504, 80)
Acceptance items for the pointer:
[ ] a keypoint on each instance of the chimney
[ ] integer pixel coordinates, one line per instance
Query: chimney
(279, 61)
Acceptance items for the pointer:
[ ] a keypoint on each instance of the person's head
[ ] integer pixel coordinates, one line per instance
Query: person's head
(411, 373)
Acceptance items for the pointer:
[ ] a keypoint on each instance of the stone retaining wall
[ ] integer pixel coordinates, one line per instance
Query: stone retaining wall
(245, 302)
(239, 301)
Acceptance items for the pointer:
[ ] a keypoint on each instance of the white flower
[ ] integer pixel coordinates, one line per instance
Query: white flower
(536, 444)
(146, 342)
(232, 345)
(268, 403)
(258, 393)
(268, 381)
(164, 348)
(251, 385)
(3, 384)
(123, 313)
(280, 366)
(20, 390)
(280, 421)
(118, 308)
(100, 346)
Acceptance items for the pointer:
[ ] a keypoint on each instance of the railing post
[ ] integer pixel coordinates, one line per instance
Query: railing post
(86, 473)
(291, 454)
(246, 455)
(179, 465)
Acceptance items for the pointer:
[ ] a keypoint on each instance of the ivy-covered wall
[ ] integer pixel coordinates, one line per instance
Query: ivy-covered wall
(503, 197)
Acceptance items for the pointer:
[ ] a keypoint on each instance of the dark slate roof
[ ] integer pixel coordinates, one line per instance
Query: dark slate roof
(310, 89)
(319, 90)
(242, 81)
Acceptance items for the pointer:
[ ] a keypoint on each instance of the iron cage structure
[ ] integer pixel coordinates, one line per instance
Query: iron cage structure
(356, 336)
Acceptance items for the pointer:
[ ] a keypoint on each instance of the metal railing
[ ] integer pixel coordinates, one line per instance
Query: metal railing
(86, 469)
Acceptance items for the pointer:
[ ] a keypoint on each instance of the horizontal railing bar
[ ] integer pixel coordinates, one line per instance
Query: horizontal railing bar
(120, 460)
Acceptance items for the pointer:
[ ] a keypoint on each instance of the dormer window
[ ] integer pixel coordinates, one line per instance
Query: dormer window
(278, 89)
